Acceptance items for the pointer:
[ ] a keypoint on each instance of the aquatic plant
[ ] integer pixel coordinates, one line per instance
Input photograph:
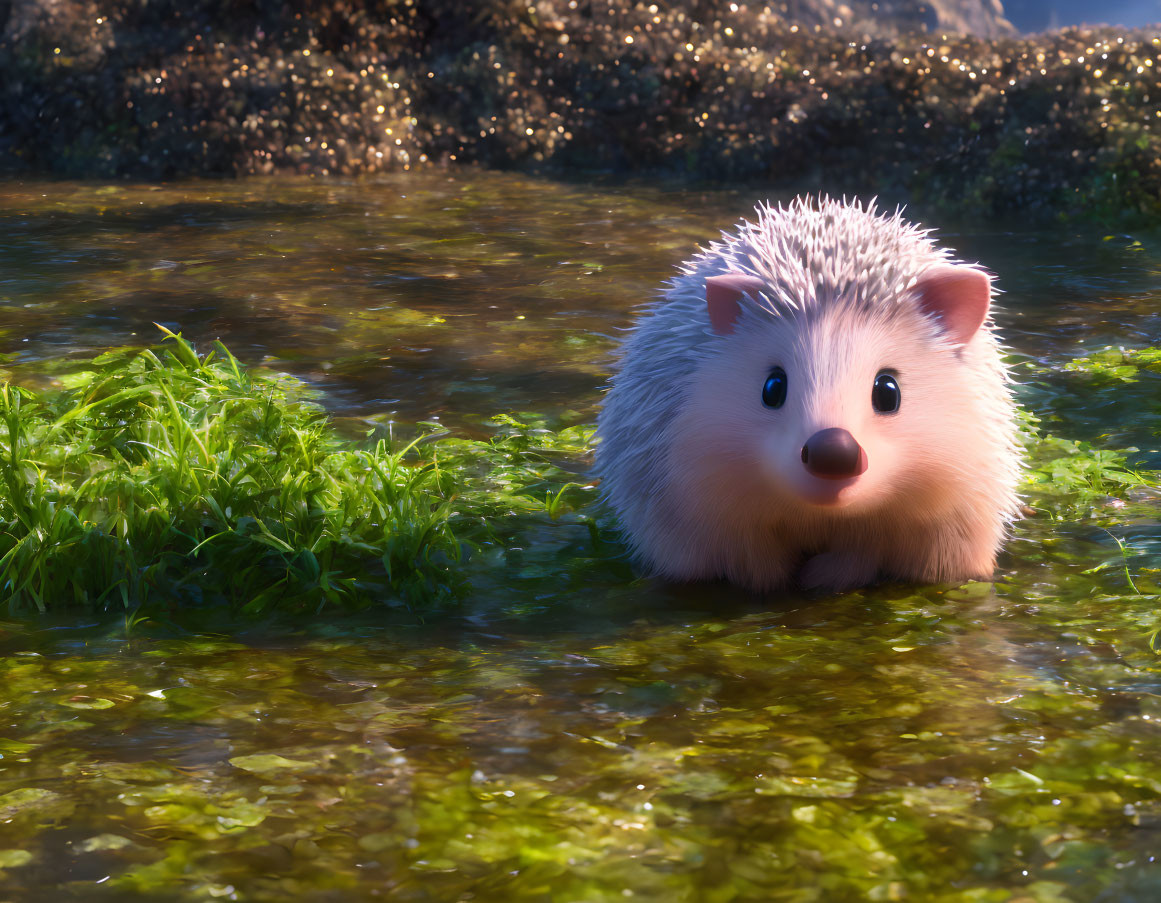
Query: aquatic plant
(171, 476)
(1066, 476)
(1116, 365)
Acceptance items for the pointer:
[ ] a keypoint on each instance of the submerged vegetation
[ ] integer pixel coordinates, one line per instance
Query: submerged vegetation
(165, 475)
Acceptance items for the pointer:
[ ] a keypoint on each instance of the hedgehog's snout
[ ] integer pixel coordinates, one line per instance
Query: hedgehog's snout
(834, 454)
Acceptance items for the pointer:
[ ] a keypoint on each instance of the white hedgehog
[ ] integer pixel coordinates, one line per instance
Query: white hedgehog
(820, 399)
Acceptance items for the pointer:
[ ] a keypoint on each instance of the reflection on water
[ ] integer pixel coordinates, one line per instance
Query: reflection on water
(571, 734)
(436, 296)
(413, 297)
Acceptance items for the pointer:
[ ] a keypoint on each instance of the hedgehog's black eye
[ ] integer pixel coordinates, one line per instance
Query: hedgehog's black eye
(774, 391)
(885, 396)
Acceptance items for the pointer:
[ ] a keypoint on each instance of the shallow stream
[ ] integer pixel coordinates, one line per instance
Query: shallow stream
(571, 733)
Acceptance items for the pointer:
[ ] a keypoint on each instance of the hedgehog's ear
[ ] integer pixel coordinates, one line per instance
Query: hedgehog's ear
(723, 295)
(958, 297)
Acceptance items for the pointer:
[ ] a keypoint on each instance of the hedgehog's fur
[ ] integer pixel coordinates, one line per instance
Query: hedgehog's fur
(700, 474)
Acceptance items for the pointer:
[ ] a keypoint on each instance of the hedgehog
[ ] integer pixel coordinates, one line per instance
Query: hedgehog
(819, 400)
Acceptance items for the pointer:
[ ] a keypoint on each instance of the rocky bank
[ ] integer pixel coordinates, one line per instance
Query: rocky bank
(887, 97)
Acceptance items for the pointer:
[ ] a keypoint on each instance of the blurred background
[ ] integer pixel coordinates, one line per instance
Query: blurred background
(1039, 15)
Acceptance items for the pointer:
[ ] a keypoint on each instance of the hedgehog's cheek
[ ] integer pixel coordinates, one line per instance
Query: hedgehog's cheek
(777, 460)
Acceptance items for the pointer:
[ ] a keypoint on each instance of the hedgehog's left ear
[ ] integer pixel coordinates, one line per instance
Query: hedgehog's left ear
(723, 295)
(958, 297)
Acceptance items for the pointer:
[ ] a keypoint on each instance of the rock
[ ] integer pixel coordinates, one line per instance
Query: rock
(1063, 123)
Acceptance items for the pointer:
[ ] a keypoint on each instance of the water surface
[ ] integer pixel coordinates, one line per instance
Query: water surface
(571, 733)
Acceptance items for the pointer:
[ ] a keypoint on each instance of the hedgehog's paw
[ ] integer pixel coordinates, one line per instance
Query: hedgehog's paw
(836, 572)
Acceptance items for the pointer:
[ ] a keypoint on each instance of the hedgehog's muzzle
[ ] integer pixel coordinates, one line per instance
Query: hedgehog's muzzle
(833, 454)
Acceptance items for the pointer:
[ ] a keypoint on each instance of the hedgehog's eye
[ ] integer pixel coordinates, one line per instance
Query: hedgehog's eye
(885, 396)
(774, 391)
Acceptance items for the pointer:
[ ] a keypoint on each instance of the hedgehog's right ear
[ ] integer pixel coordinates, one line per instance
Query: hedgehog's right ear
(723, 295)
(958, 297)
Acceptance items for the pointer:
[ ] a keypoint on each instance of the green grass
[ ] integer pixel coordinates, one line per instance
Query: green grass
(168, 478)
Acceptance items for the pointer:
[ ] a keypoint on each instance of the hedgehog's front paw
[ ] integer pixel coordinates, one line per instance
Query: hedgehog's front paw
(836, 572)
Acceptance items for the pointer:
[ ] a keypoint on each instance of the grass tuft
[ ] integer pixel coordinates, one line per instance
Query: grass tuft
(166, 477)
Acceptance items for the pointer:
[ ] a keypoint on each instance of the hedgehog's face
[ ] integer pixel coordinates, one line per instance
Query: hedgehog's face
(835, 424)
(837, 410)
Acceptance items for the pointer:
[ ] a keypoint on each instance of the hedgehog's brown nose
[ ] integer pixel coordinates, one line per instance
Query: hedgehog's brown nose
(834, 455)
